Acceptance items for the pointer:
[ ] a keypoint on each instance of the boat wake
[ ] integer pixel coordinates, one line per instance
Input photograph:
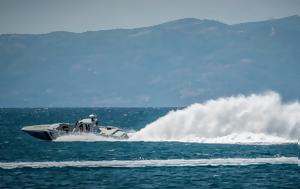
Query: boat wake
(258, 118)
(153, 163)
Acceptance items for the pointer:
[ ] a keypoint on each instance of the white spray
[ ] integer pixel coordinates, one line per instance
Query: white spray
(241, 119)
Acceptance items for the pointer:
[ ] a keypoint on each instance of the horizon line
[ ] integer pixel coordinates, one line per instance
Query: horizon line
(143, 27)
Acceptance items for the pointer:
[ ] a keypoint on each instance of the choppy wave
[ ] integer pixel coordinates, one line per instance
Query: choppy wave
(152, 163)
(242, 119)
(259, 119)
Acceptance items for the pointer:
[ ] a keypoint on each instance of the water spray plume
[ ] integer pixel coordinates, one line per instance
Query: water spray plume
(241, 119)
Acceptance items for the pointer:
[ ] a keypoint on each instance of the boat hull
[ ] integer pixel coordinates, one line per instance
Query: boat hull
(37, 132)
(49, 133)
(43, 135)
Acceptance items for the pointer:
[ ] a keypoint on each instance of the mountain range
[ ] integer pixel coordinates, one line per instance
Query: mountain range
(171, 64)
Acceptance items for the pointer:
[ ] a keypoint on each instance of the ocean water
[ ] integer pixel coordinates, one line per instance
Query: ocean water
(236, 142)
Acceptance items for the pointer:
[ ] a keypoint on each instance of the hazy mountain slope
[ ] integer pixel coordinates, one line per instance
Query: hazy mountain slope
(171, 64)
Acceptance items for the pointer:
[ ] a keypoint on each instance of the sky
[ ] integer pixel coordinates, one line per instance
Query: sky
(43, 16)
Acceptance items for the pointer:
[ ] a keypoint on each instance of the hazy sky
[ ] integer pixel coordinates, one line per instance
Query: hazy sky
(41, 16)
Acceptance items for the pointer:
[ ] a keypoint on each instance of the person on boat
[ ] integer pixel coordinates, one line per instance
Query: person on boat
(93, 119)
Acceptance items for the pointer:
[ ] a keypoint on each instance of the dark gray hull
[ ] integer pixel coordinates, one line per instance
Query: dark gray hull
(43, 135)
(43, 132)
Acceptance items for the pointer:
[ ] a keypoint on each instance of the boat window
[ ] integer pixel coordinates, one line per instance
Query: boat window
(65, 128)
(80, 127)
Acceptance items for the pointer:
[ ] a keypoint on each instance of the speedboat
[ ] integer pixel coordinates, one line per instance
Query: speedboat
(87, 125)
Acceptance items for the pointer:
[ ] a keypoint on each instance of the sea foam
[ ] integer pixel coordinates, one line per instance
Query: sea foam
(153, 163)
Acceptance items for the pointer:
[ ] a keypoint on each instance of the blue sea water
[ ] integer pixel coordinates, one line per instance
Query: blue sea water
(26, 162)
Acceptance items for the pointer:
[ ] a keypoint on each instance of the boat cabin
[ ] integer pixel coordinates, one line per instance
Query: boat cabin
(86, 125)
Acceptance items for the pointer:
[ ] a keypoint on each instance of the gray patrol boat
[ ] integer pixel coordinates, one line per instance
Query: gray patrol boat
(87, 125)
